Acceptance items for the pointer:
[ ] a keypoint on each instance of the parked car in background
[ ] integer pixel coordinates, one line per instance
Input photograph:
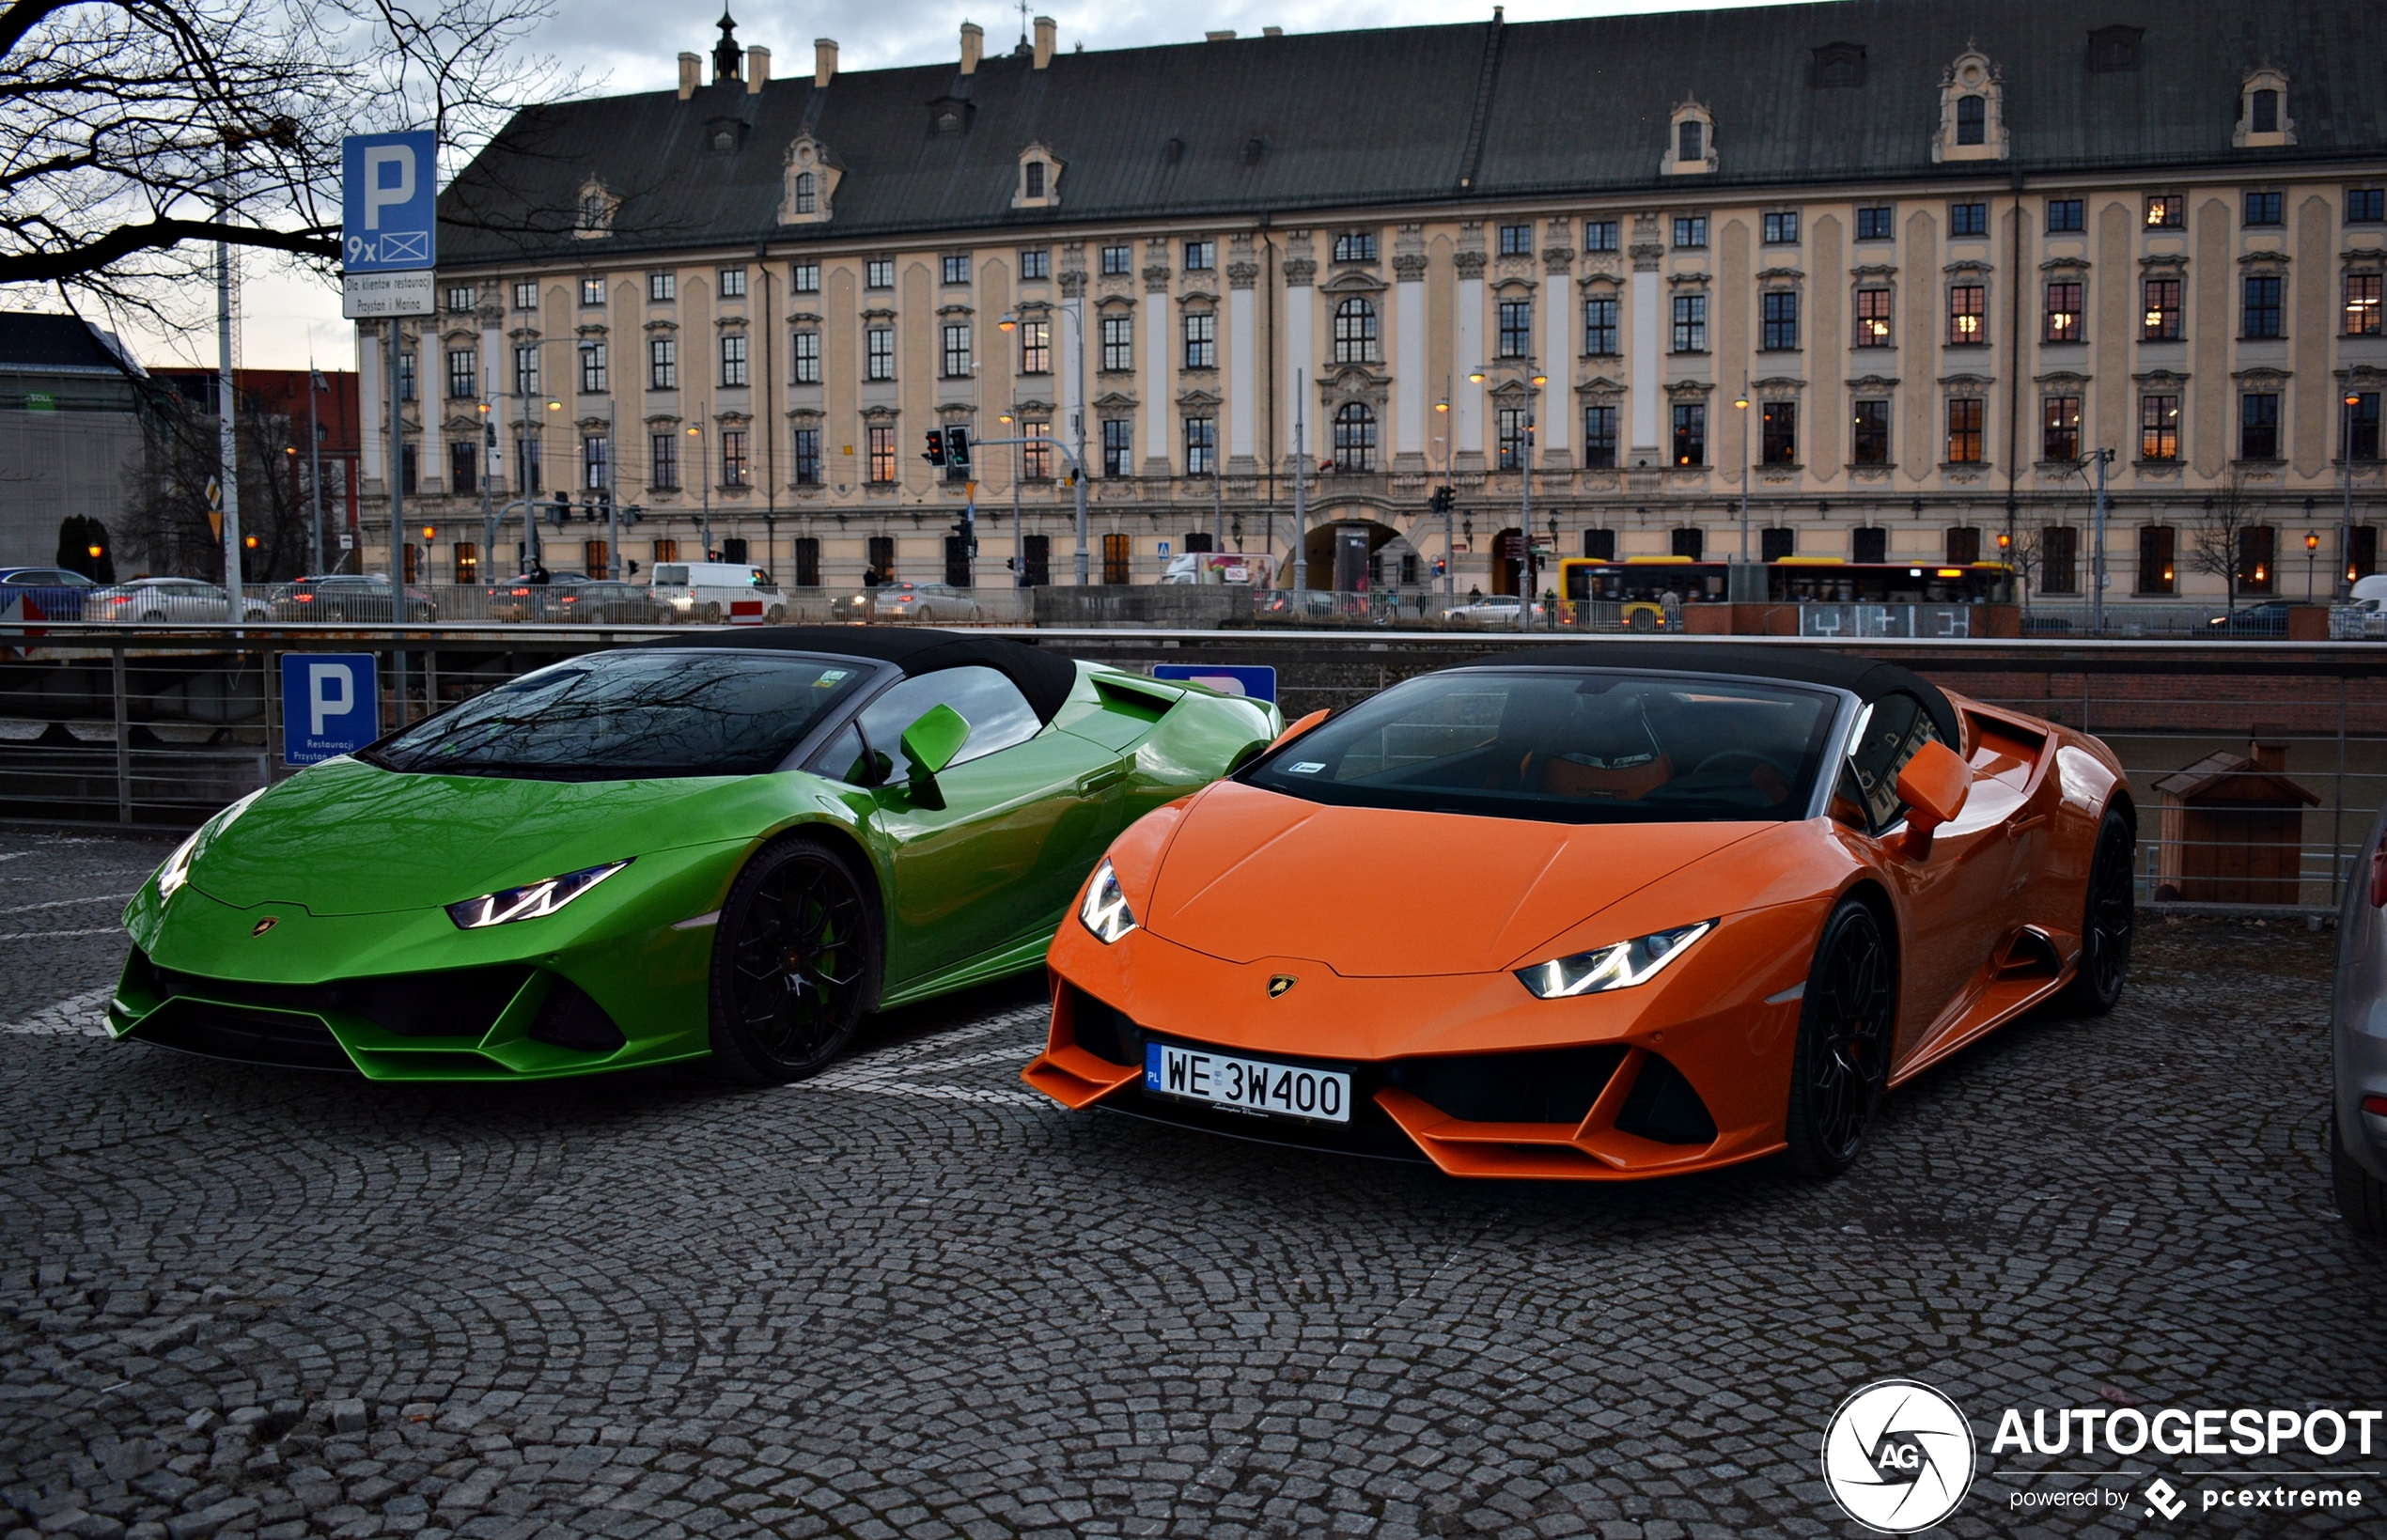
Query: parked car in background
(151, 600)
(939, 602)
(606, 603)
(2357, 1044)
(1497, 610)
(713, 592)
(2268, 618)
(530, 595)
(43, 593)
(1304, 604)
(348, 596)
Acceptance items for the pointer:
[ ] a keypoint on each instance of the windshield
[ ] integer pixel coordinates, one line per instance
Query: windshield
(1567, 746)
(619, 716)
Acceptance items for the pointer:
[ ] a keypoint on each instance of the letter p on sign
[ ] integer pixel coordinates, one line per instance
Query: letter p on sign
(379, 191)
(331, 691)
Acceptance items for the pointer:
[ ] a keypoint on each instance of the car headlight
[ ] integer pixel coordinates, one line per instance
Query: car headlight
(1104, 910)
(531, 901)
(177, 869)
(1617, 967)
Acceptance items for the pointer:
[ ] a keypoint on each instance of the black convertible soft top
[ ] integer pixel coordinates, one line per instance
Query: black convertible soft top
(1044, 677)
(1867, 678)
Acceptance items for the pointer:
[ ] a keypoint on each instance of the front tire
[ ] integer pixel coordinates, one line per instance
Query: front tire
(2361, 1198)
(2108, 917)
(1841, 1061)
(795, 963)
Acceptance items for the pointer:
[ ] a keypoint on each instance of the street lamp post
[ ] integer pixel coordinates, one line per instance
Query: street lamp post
(1525, 489)
(314, 472)
(2312, 549)
(2345, 585)
(1740, 404)
(1075, 310)
(704, 488)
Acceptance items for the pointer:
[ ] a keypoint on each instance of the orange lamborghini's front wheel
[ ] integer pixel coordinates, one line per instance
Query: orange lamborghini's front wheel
(1842, 1059)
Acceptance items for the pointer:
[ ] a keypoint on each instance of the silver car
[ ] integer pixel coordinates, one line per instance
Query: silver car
(2357, 1044)
(155, 600)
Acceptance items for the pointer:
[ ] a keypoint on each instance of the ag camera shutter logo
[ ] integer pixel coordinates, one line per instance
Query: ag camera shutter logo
(1898, 1457)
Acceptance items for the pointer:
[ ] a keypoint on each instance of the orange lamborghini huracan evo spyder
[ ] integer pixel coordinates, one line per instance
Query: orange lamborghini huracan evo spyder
(1605, 910)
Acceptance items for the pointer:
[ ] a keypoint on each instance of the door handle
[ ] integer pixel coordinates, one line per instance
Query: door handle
(2023, 826)
(1093, 780)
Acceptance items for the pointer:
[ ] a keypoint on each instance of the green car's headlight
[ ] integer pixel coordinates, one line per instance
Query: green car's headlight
(1617, 967)
(1104, 910)
(177, 869)
(531, 901)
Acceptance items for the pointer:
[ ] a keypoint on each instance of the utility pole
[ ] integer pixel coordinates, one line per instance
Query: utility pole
(1742, 405)
(228, 439)
(1525, 515)
(489, 463)
(1300, 499)
(2096, 578)
(1075, 310)
(396, 471)
(2344, 586)
(314, 471)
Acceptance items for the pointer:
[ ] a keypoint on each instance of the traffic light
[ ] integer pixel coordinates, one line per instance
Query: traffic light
(1441, 501)
(935, 455)
(966, 528)
(957, 448)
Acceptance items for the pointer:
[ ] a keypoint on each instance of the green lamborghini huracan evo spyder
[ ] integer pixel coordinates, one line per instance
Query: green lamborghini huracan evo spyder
(727, 845)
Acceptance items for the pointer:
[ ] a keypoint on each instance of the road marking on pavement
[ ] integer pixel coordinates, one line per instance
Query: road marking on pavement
(70, 903)
(899, 1071)
(59, 935)
(78, 1016)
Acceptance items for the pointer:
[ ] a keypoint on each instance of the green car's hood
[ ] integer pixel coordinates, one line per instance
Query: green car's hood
(347, 838)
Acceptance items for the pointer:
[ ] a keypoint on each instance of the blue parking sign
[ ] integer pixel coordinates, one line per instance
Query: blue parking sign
(331, 705)
(389, 203)
(1254, 681)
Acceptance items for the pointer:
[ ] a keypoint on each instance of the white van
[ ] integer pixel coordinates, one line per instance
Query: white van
(2367, 618)
(713, 592)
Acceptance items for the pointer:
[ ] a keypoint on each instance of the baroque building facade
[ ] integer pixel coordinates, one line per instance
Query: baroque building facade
(1863, 280)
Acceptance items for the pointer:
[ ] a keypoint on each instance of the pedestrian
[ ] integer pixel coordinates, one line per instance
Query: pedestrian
(538, 572)
(1670, 605)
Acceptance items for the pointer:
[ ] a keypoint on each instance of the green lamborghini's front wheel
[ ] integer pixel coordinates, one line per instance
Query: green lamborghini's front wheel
(795, 955)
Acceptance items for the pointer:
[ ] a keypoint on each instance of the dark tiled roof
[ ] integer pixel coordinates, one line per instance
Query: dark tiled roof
(33, 340)
(1386, 118)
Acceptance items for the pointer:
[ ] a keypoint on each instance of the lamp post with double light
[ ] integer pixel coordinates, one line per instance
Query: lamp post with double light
(2344, 588)
(1526, 484)
(1074, 308)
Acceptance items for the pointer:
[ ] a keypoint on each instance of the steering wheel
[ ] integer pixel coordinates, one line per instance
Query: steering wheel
(1747, 764)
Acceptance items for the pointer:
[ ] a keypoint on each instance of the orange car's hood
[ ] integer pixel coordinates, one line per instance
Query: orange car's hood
(1373, 893)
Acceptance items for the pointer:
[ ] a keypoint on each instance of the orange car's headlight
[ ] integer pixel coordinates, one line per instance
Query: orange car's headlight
(1104, 910)
(1619, 966)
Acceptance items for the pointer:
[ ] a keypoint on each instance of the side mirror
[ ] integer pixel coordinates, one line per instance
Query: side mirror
(1934, 785)
(930, 744)
(1303, 726)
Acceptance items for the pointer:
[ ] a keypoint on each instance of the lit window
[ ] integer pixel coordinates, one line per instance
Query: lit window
(2166, 212)
(1873, 318)
(2362, 304)
(1778, 433)
(1964, 430)
(1509, 432)
(1691, 432)
(592, 291)
(2060, 428)
(2158, 428)
(1870, 442)
(880, 444)
(2162, 322)
(733, 456)
(2064, 312)
(1035, 347)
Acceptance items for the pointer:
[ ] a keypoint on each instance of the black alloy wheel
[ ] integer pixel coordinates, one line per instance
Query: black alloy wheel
(795, 960)
(1841, 1061)
(2108, 914)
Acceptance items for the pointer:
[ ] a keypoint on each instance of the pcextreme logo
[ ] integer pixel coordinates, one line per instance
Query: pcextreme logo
(1898, 1457)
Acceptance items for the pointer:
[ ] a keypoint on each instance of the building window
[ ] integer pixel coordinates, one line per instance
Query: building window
(406, 368)
(1869, 544)
(463, 373)
(879, 552)
(2362, 552)
(733, 359)
(1354, 438)
(2258, 426)
(1201, 256)
(1118, 342)
(1690, 323)
(1356, 332)
(2059, 559)
(1035, 347)
(1117, 551)
(1690, 540)
(2158, 428)
(733, 456)
(2263, 116)
(1777, 542)
(1968, 219)
(1355, 246)
(1690, 142)
(1599, 235)
(663, 285)
(1117, 261)
(592, 291)
(460, 299)
(807, 561)
(464, 462)
(1873, 318)
(1780, 325)
(956, 351)
(1201, 446)
(1874, 223)
(1117, 447)
(1690, 433)
(2060, 428)
(1508, 437)
(1691, 230)
(1036, 456)
(1599, 545)
(468, 563)
(2365, 205)
(956, 267)
(1032, 179)
(1036, 262)
(526, 294)
(733, 282)
(2064, 312)
(807, 462)
(1516, 240)
(596, 462)
(2361, 426)
(1967, 315)
(2264, 208)
(1870, 444)
(526, 368)
(804, 349)
(1778, 433)
(2257, 558)
(2362, 304)
(2261, 311)
(662, 363)
(879, 273)
(1963, 545)
(2166, 212)
(1971, 120)
(1201, 340)
(1516, 329)
(1964, 431)
(662, 461)
(596, 376)
(807, 193)
(878, 354)
(1782, 228)
(880, 444)
(2162, 322)
(1600, 324)
(2155, 550)
(527, 478)
(1599, 437)
(2065, 216)
(804, 278)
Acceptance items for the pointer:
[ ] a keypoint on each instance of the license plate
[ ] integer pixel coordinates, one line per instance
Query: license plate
(1247, 1086)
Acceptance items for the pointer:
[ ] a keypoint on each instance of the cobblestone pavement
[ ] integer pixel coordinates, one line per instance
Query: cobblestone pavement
(911, 1300)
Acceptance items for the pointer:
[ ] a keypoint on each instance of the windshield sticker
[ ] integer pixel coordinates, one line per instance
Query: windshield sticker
(833, 675)
(1307, 767)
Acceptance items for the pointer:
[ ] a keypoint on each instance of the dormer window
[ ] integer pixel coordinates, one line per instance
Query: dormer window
(1687, 141)
(1971, 120)
(1033, 182)
(1691, 142)
(1039, 180)
(808, 183)
(597, 205)
(807, 193)
(1971, 114)
(2263, 122)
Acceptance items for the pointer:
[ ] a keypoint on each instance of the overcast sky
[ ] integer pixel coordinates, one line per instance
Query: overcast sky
(633, 45)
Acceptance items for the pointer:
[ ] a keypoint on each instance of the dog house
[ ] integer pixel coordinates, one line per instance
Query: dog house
(2233, 830)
